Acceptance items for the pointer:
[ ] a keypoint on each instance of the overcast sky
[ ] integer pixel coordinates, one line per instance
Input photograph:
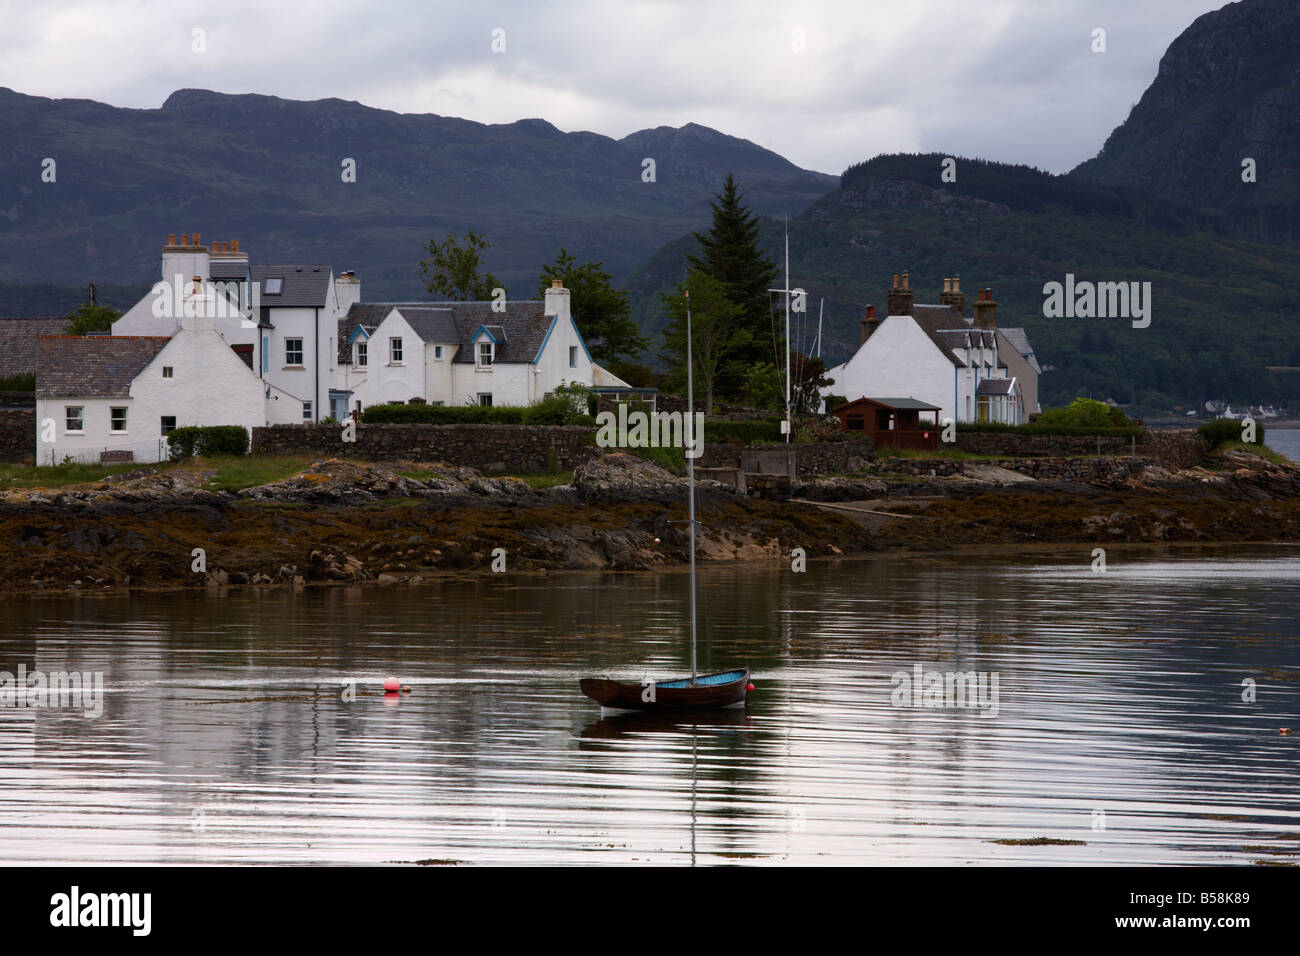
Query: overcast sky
(824, 84)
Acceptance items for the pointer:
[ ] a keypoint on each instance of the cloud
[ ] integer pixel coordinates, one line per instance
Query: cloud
(825, 84)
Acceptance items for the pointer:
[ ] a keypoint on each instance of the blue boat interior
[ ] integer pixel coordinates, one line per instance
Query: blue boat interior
(704, 680)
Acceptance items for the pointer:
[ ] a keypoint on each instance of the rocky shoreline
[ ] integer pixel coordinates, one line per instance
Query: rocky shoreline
(351, 522)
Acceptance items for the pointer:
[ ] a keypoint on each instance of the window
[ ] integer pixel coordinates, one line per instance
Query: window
(439, 404)
(73, 420)
(485, 399)
(293, 352)
(168, 424)
(167, 371)
(485, 354)
(362, 353)
(118, 419)
(395, 350)
(306, 411)
(573, 356)
(272, 286)
(856, 423)
(437, 351)
(266, 353)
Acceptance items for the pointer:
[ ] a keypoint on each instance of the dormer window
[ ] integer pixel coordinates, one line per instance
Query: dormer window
(485, 353)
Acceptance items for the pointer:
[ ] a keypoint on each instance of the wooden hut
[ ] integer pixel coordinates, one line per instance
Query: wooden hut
(892, 422)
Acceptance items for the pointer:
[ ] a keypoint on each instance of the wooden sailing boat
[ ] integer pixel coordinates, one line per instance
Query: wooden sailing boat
(699, 691)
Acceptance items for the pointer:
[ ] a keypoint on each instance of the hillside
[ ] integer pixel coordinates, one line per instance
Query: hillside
(1228, 88)
(267, 171)
(1223, 308)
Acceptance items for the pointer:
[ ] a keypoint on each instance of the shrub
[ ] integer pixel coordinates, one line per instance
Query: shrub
(555, 410)
(1084, 413)
(1109, 431)
(442, 415)
(1224, 430)
(207, 441)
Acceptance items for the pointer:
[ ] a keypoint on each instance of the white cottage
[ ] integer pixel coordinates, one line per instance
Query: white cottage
(281, 320)
(116, 397)
(966, 366)
(463, 353)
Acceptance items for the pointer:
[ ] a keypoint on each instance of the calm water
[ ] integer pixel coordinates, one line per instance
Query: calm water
(1284, 441)
(225, 737)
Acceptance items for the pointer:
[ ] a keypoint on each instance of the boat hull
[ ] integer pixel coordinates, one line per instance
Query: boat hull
(724, 689)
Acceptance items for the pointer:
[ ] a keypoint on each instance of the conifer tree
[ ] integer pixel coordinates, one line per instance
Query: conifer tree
(730, 253)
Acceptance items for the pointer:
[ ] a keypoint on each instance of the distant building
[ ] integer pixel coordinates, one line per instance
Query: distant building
(967, 367)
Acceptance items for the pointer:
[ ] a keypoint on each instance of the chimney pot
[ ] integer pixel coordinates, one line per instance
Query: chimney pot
(185, 238)
(235, 244)
(196, 240)
(557, 284)
(171, 238)
(905, 286)
(956, 283)
(895, 280)
(197, 282)
(947, 285)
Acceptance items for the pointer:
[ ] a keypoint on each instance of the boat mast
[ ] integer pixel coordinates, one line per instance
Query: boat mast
(690, 467)
(788, 424)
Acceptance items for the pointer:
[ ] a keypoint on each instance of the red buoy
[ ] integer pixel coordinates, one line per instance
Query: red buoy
(392, 685)
(748, 688)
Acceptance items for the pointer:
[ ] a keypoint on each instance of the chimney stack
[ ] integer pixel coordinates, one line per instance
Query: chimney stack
(869, 323)
(953, 296)
(557, 300)
(986, 310)
(900, 297)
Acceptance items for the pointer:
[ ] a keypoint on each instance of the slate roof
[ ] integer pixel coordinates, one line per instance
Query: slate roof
(898, 404)
(222, 269)
(935, 319)
(1019, 339)
(519, 330)
(18, 341)
(995, 386)
(304, 287)
(94, 366)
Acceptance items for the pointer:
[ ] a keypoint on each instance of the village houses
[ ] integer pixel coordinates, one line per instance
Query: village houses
(220, 340)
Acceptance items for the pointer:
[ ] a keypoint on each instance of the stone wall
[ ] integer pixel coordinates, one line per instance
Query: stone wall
(1085, 470)
(1181, 448)
(811, 459)
(17, 434)
(1023, 446)
(485, 447)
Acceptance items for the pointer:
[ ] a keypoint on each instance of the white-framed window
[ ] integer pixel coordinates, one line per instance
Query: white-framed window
(573, 356)
(395, 350)
(117, 419)
(439, 404)
(306, 411)
(167, 371)
(363, 353)
(168, 424)
(74, 418)
(437, 351)
(485, 399)
(293, 352)
(485, 354)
